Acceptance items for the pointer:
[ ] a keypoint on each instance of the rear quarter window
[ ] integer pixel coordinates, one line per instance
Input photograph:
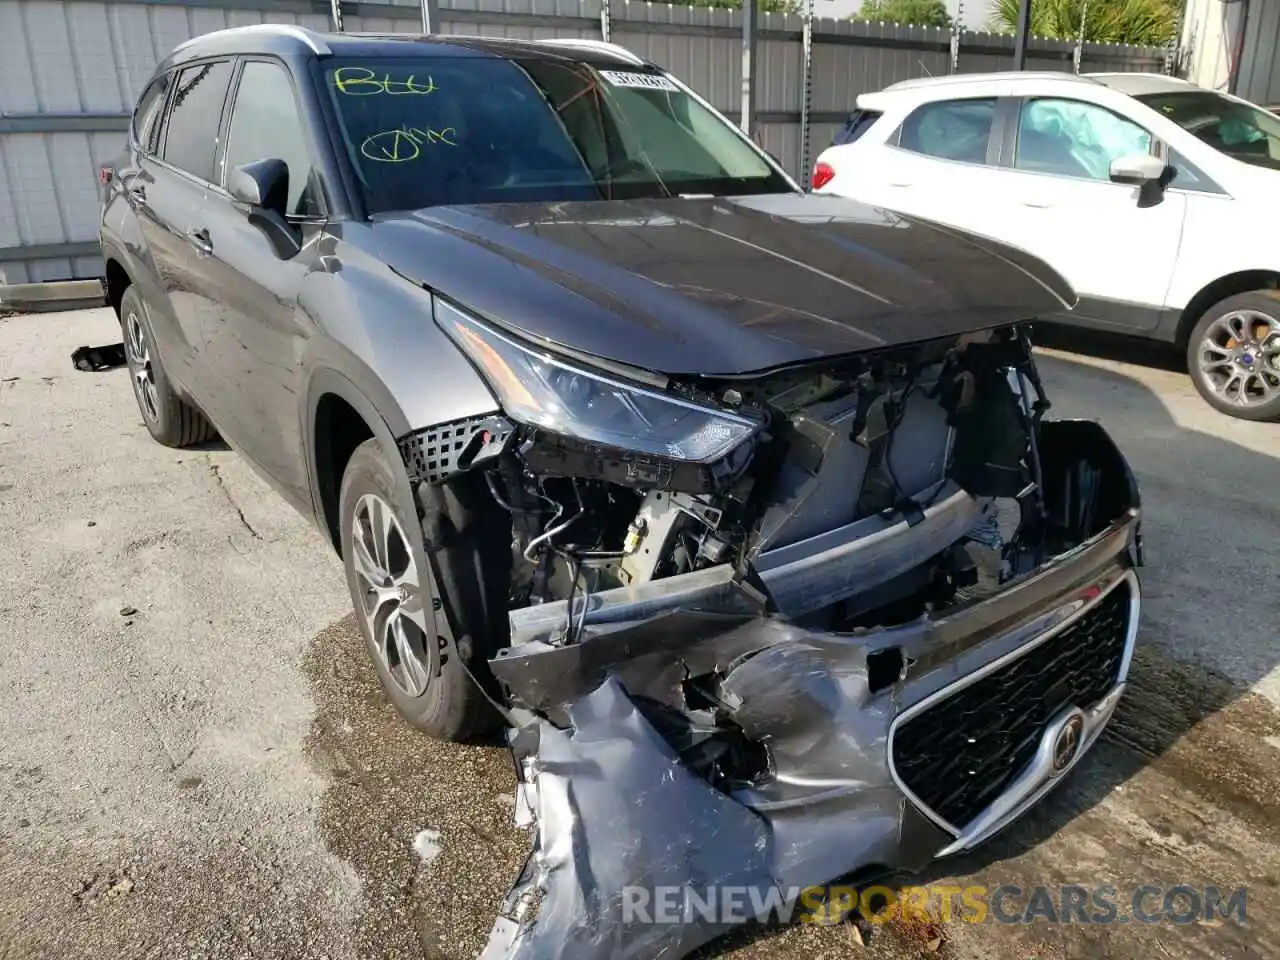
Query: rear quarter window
(859, 122)
(146, 118)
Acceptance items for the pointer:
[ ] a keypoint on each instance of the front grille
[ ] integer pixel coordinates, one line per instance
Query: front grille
(960, 754)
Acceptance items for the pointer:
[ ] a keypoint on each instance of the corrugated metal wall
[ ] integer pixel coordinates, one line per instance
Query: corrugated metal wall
(1258, 77)
(70, 71)
(1219, 33)
(1210, 38)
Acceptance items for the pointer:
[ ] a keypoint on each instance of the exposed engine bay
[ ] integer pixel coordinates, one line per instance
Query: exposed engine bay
(852, 643)
(843, 451)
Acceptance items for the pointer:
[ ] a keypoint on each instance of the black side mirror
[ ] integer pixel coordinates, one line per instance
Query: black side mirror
(263, 187)
(1152, 192)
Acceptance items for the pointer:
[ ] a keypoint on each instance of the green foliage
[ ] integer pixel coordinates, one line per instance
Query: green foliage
(1106, 21)
(926, 13)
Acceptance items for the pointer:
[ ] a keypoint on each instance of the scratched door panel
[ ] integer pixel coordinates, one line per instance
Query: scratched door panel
(256, 332)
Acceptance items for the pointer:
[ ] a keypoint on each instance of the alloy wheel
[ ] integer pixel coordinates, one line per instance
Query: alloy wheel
(391, 595)
(1239, 358)
(144, 377)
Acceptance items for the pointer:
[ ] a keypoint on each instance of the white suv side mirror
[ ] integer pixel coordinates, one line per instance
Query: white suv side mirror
(1149, 174)
(1136, 169)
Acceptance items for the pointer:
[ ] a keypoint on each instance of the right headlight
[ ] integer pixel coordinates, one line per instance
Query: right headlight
(538, 388)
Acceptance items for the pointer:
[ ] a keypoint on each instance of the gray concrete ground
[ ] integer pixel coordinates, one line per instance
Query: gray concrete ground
(195, 760)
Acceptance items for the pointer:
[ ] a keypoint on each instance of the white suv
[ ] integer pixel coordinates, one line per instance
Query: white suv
(1157, 199)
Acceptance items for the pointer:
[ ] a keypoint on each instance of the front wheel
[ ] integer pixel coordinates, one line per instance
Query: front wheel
(427, 676)
(1233, 355)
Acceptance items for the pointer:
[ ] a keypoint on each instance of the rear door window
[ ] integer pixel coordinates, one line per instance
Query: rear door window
(858, 123)
(191, 135)
(950, 129)
(146, 118)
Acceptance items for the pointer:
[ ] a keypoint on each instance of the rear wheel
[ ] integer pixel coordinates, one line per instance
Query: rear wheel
(1233, 355)
(169, 419)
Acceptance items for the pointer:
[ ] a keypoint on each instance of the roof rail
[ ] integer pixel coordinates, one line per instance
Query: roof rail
(602, 45)
(959, 79)
(313, 40)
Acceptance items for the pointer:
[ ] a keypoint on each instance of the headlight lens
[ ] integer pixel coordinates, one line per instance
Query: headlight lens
(538, 388)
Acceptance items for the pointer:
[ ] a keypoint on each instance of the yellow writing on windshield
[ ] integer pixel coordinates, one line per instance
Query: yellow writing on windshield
(406, 143)
(363, 82)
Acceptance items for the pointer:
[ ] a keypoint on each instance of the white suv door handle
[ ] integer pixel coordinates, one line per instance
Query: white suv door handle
(1040, 203)
(900, 183)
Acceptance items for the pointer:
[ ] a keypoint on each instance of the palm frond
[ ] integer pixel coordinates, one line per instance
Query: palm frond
(1106, 21)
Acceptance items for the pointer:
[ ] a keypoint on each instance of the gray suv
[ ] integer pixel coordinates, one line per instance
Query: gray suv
(738, 505)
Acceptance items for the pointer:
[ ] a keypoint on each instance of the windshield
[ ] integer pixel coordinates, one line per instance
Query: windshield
(1237, 129)
(428, 131)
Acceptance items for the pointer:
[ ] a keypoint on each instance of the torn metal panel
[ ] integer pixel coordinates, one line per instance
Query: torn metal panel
(606, 783)
(605, 796)
(620, 818)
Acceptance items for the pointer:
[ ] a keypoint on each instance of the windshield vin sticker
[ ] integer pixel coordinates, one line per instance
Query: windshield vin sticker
(643, 81)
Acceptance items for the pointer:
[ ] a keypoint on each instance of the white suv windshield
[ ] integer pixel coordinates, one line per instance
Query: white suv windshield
(1237, 129)
(445, 130)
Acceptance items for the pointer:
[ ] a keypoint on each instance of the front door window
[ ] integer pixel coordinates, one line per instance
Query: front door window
(1071, 138)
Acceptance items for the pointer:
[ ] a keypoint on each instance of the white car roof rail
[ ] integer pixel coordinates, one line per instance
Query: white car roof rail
(961, 79)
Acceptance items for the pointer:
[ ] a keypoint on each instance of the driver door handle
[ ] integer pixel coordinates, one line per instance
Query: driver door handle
(138, 194)
(1039, 203)
(201, 240)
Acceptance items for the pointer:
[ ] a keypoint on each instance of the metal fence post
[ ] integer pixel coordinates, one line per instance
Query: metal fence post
(1176, 54)
(750, 13)
(335, 15)
(606, 22)
(430, 16)
(1020, 38)
(806, 94)
(957, 26)
(1077, 55)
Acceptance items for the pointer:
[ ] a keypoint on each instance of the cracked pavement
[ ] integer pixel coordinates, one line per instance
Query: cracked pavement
(196, 762)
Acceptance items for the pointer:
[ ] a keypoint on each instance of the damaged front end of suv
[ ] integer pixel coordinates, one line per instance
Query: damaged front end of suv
(770, 631)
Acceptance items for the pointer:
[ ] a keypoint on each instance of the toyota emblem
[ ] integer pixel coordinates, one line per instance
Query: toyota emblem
(1067, 745)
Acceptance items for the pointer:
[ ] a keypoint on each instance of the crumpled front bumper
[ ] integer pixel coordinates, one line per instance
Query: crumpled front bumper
(631, 847)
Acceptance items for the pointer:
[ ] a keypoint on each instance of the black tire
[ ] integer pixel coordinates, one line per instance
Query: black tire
(1263, 308)
(168, 418)
(452, 706)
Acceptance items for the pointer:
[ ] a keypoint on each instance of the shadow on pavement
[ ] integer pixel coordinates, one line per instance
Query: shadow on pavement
(216, 445)
(1111, 346)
